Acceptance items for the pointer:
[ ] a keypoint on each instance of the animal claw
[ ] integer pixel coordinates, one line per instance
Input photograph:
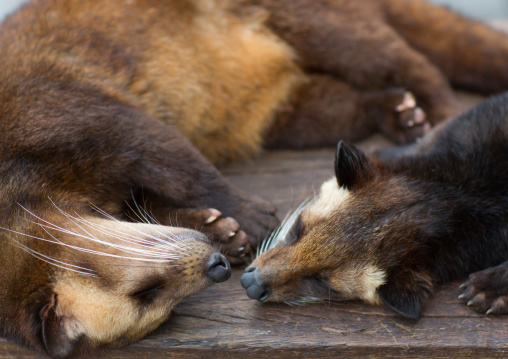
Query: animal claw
(215, 215)
(408, 102)
(419, 116)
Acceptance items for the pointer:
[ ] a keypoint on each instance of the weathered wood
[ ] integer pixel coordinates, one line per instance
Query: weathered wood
(223, 322)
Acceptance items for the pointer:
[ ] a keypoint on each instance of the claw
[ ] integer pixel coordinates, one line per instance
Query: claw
(408, 102)
(419, 116)
(463, 285)
(215, 215)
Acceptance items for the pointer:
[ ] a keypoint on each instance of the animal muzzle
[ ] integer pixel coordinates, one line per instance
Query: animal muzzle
(218, 268)
(254, 286)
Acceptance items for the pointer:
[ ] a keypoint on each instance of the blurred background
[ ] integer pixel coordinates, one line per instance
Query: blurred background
(484, 9)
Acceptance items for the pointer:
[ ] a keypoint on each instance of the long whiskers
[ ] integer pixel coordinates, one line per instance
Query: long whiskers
(165, 241)
(48, 259)
(141, 254)
(148, 240)
(282, 231)
(159, 248)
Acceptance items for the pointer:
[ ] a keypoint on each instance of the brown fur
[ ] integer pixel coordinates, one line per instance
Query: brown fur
(122, 104)
(390, 230)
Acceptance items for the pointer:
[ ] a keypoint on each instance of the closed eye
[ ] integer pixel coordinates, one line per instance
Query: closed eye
(148, 293)
(295, 232)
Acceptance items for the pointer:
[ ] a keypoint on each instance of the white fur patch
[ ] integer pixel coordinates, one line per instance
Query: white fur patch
(371, 278)
(358, 281)
(330, 198)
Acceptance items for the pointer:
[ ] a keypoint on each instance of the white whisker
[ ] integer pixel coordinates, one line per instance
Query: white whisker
(282, 231)
(146, 254)
(136, 240)
(307, 299)
(54, 261)
(137, 212)
(104, 213)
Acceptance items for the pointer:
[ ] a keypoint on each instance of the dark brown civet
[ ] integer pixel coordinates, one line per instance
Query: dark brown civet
(389, 231)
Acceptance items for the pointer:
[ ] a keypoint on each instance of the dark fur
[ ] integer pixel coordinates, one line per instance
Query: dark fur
(423, 219)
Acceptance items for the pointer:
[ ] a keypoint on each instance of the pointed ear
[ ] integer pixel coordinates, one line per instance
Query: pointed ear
(407, 292)
(351, 165)
(54, 334)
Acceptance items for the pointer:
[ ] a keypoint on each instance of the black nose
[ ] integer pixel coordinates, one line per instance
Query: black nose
(254, 285)
(218, 268)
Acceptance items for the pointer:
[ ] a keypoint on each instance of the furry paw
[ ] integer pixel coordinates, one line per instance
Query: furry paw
(225, 231)
(401, 119)
(256, 216)
(487, 291)
(240, 224)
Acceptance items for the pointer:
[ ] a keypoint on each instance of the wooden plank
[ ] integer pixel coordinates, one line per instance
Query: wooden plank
(284, 177)
(223, 322)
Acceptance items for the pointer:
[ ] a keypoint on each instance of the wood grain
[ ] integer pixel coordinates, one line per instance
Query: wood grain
(223, 322)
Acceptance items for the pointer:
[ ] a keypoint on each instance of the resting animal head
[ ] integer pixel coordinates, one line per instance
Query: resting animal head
(360, 238)
(74, 281)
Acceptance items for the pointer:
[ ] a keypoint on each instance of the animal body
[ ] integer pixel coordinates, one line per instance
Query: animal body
(390, 230)
(114, 112)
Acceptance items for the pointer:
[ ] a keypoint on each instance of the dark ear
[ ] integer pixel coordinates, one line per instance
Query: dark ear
(406, 292)
(351, 165)
(54, 334)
